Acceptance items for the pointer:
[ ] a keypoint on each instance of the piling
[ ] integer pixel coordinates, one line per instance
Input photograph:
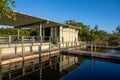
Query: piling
(0, 55)
(91, 49)
(9, 40)
(40, 59)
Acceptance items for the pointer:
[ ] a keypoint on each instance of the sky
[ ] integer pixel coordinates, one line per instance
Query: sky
(104, 13)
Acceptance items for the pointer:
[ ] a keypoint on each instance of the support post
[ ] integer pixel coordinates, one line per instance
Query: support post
(15, 49)
(50, 61)
(22, 39)
(0, 72)
(40, 30)
(49, 47)
(40, 59)
(23, 56)
(95, 47)
(40, 49)
(91, 49)
(0, 56)
(23, 52)
(79, 45)
(9, 41)
(43, 34)
(18, 35)
(10, 76)
(33, 40)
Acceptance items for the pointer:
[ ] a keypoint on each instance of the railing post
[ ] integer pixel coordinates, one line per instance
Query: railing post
(40, 49)
(23, 52)
(79, 45)
(33, 40)
(62, 39)
(40, 58)
(0, 73)
(9, 40)
(23, 56)
(22, 39)
(59, 45)
(0, 56)
(0, 63)
(71, 45)
(15, 49)
(10, 75)
(91, 49)
(57, 40)
(49, 47)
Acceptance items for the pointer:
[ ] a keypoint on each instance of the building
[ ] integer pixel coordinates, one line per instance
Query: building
(45, 28)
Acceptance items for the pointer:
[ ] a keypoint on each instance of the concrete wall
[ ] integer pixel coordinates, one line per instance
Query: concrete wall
(69, 35)
(17, 49)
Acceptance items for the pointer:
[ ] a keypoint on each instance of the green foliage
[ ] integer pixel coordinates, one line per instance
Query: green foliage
(5, 10)
(84, 30)
(87, 34)
(118, 29)
(115, 37)
(13, 31)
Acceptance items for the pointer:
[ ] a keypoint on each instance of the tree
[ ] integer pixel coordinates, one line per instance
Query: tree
(5, 10)
(118, 29)
(83, 31)
(71, 22)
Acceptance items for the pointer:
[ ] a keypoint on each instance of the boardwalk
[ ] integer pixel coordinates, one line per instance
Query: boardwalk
(29, 56)
(92, 54)
(108, 47)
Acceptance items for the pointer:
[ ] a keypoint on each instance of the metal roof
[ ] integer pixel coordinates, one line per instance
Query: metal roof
(26, 19)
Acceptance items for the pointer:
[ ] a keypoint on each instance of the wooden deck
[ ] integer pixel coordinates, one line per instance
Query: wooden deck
(93, 54)
(108, 47)
(11, 59)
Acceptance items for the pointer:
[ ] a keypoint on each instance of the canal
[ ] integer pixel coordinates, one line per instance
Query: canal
(66, 67)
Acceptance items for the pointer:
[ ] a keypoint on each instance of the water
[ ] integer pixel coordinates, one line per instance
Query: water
(70, 67)
(95, 70)
(109, 51)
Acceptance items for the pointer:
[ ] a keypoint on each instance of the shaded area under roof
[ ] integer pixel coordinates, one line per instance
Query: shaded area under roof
(25, 20)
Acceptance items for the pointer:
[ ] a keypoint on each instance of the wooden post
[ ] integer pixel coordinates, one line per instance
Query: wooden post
(40, 71)
(40, 59)
(49, 47)
(0, 72)
(66, 46)
(91, 49)
(40, 49)
(95, 47)
(23, 68)
(40, 30)
(32, 63)
(23, 48)
(15, 49)
(79, 45)
(9, 40)
(23, 56)
(57, 40)
(50, 62)
(18, 35)
(0, 56)
(22, 39)
(10, 76)
(33, 40)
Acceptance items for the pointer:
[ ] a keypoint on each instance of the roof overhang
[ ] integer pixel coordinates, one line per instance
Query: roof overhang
(26, 20)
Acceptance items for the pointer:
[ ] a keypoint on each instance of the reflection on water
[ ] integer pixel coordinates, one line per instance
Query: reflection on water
(51, 68)
(113, 51)
(110, 51)
(62, 67)
(95, 70)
